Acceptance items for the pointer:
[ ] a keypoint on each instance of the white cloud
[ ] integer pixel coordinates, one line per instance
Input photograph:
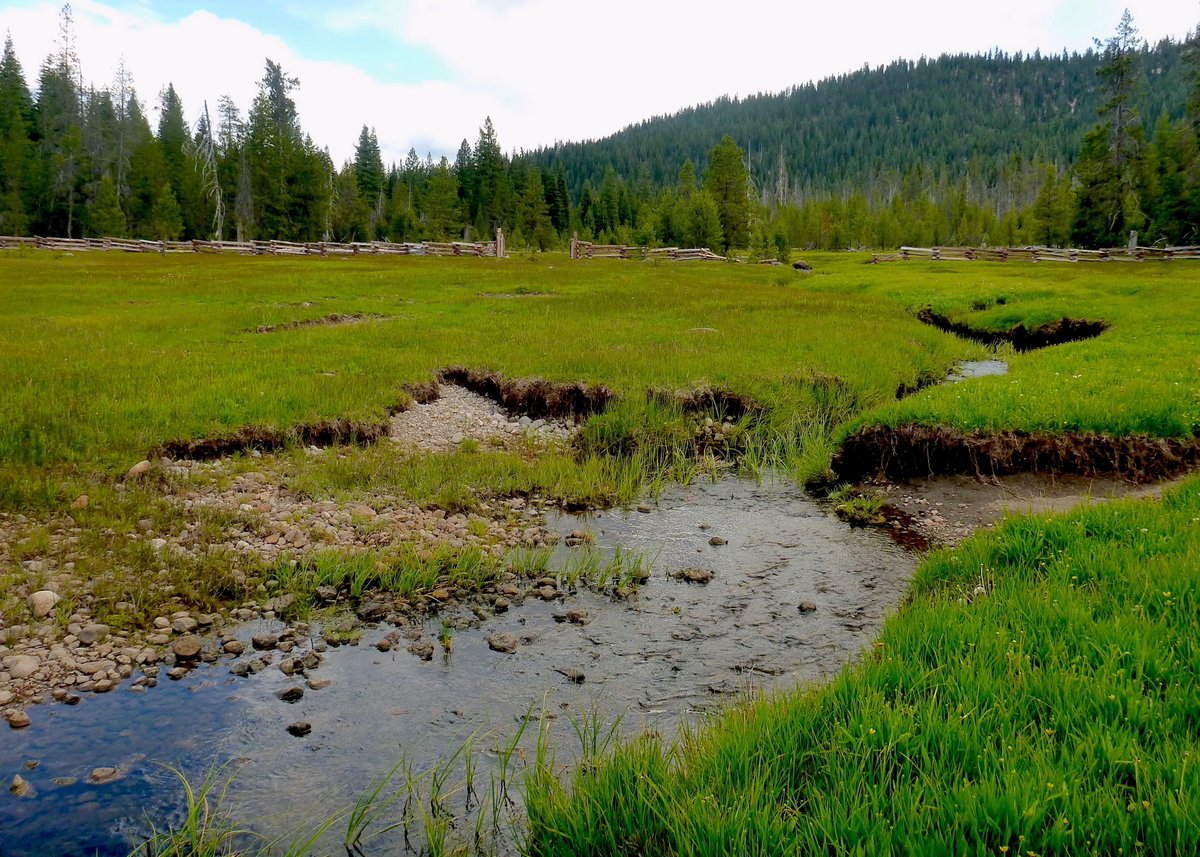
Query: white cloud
(556, 69)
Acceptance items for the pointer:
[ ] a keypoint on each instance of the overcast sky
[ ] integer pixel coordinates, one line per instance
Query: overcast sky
(425, 73)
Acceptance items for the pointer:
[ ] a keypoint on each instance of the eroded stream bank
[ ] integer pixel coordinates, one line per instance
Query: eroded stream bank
(673, 649)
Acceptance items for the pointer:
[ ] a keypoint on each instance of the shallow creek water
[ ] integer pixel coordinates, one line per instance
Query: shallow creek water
(672, 650)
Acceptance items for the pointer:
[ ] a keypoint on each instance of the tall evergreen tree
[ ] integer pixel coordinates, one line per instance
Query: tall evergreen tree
(491, 180)
(443, 216)
(728, 181)
(1110, 163)
(59, 133)
(16, 150)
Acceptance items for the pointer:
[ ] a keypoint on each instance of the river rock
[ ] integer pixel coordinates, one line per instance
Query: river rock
(19, 786)
(80, 502)
(502, 642)
(138, 470)
(41, 603)
(693, 575)
(6, 696)
(327, 594)
(291, 666)
(280, 603)
(645, 508)
(22, 666)
(806, 606)
(184, 625)
(717, 541)
(104, 775)
(299, 728)
(176, 673)
(318, 683)
(548, 593)
(233, 647)
(501, 604)
(578, 616)
(264, 640)
(291, 694)
(187, 647)
(91, 634)
(373, 611)
(17, 718)
(423, 649)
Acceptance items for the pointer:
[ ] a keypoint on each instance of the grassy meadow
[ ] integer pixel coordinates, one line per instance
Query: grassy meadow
(1039, 692)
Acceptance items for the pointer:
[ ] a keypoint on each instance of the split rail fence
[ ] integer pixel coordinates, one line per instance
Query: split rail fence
(588, 250)
(1038, 254)
(490, 249)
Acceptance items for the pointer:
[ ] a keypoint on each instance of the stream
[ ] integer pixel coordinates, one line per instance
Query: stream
(662, 657)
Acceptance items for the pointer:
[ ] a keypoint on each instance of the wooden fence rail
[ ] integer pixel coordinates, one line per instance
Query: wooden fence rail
(589, 250)
(490, 249)
(1038, 254)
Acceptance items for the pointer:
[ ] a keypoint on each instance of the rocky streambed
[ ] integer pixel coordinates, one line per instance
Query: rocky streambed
(751, 586)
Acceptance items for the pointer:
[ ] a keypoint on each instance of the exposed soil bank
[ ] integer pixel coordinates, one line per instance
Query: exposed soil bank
(533, 397)
(718, 400)
(1019, 336)
(914, 451)
(331, 320)
(266, 438)
(944, 510)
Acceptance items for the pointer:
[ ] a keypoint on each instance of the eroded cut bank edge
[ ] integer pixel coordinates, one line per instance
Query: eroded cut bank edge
(1019, 336)
(266, 438)
(535, 397)
(917, 451)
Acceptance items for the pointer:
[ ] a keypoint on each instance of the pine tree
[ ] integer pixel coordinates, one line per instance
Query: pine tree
(1110, 164)
(534, 218)
(443, 216)
(492, 181)
(1051, 214)
(370, 179)
(104, 216)
(1167, 197)
(729, 184)
(16, 151)
(60, 136)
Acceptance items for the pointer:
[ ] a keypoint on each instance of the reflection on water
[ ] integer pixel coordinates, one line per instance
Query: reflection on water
(671, 650)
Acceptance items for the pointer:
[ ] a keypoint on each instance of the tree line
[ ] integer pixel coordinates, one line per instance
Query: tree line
(996, 149)
(84, 161)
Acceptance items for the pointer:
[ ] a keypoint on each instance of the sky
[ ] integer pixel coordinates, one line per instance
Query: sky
(425, 73)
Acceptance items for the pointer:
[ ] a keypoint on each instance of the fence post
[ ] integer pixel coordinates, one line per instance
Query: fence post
(500, 248)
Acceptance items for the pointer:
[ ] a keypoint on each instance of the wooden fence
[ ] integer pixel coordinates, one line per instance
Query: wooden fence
(491, 249)
(1038, 254)
(588, 250)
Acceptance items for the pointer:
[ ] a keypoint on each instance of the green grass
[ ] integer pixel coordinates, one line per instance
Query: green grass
(106, 356)
(1039, 694)
(1141, 376)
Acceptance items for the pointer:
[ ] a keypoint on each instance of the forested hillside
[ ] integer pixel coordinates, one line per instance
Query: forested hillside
(978, 117)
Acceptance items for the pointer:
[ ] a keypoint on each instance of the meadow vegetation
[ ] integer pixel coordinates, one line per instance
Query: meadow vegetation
(1038, 692)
